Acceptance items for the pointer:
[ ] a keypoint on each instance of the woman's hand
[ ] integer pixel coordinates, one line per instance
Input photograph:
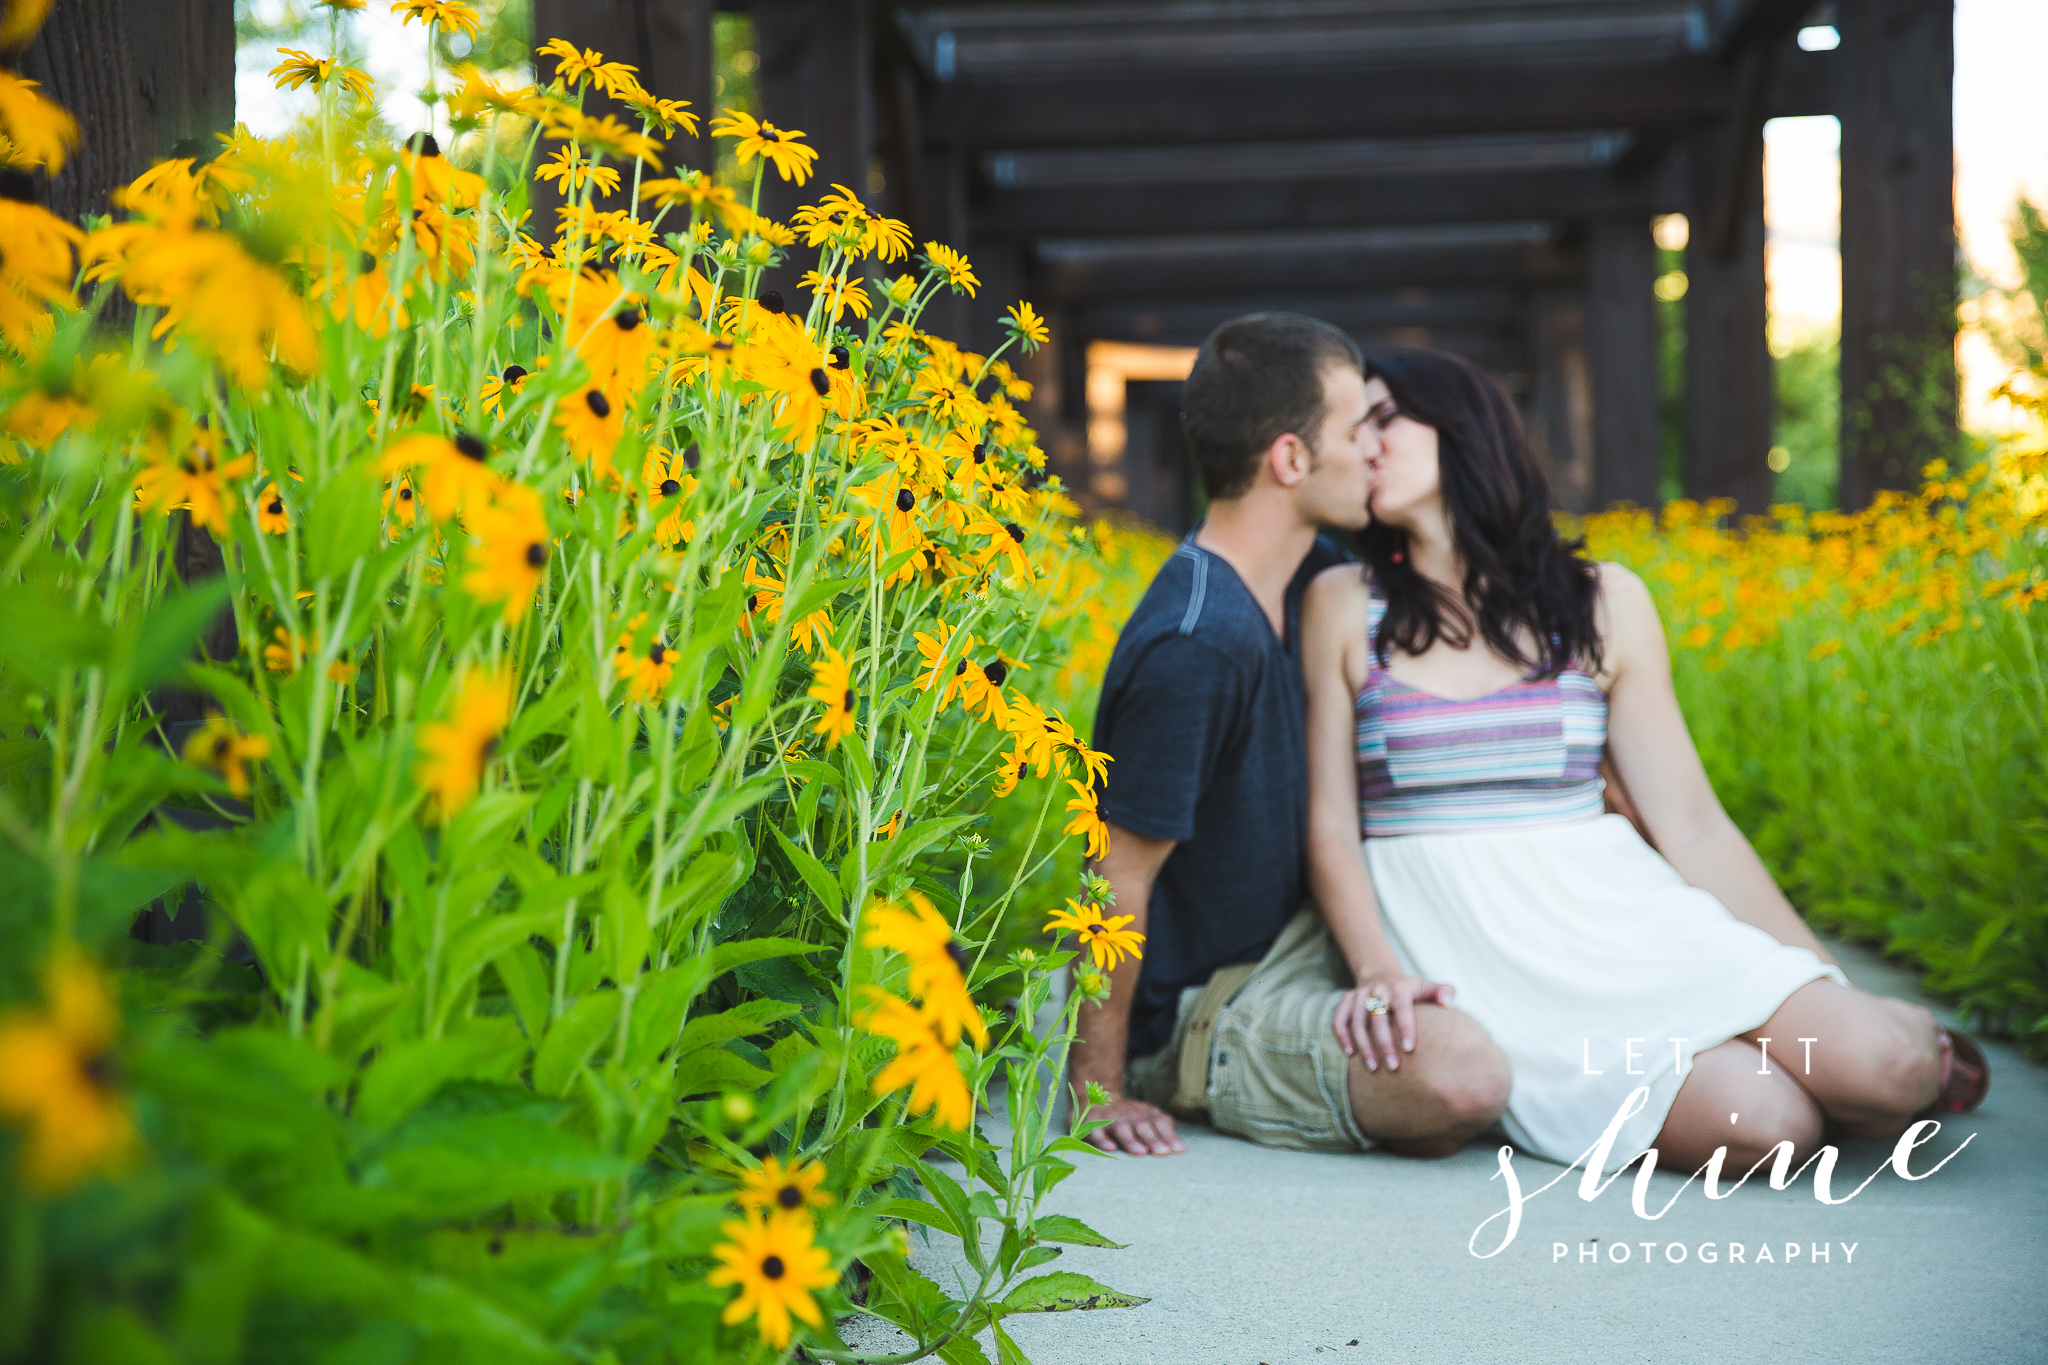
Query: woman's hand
(1362, 1030)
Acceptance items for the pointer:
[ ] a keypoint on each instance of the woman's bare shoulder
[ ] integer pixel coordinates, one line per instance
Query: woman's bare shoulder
(1339, 584)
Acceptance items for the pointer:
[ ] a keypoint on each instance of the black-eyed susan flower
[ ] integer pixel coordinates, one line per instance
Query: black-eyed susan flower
(1107, 940)
(509, 558)
(670, 114)
(938, 964)
(923, 1061)
(452, 15)
(833, 687)
(193, 480)
(38, 131)
(570, 172)
(303, 68)
(773, 1186)
(272, 516)
(645, 668)
(19, 21)
(574, 67)
(783, 147)
(669, 483)
(981, 690)
(612, 334)
(1024, 323)
(453, 474)
(591, 422)
(219, 745)
(401, 506)
(943, 657)
(959, 274)
(775, 1266)
(36, 269)
(457, 750)
(1000, 540)
(56, 1079)
(1087, 820)
(356, 286)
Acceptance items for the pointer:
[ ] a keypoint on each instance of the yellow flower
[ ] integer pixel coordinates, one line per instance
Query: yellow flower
(573, 67)
(19, 21)
(840, 219)
(303, 68)
(935, 650)
(834, 687)
(193, 481)
(923, 1062)
(703, 195)
(458, 749)
(491, 394)
(455, 473)
(670, 114)
(775, 1186)
(645, 671)
(35, 269)
(792, 161)
(938, 965)
(361, 289)
(611, 332)
(1087, 821)
(480, 93)
(220, 746)
(775, 1266)
(668, 482)
(1106, 939)
(55, 1079)
(34, 132)
(272, 517)
(1029, 328)
(449, 14)
(572, 173)
(981, 688)
(1825, 648)
(958, 273)
(509, 560)
(591, 423)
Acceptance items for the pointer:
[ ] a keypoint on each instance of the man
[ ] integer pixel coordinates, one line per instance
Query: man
(1230, 1009)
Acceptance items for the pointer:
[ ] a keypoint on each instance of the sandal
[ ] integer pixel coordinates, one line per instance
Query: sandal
(1966, 1076)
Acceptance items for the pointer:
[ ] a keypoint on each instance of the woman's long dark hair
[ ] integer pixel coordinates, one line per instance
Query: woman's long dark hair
(1518, 570)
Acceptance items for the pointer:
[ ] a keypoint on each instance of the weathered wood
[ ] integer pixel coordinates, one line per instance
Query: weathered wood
(138, 78)
(1898, 242)
(1148, 105)
(1728, 387)
(669, 41)
(1329, 201)
(1563, 434)
(1158, 268)
(1621, 344)
(816, 76)
(1407, 316)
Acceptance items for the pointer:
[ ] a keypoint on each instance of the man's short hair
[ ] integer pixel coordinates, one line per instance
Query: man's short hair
(1257, 378)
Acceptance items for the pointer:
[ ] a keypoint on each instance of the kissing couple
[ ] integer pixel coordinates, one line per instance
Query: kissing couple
(1416, 833)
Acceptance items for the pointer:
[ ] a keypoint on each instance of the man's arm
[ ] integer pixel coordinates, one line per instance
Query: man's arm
(1103, 1030)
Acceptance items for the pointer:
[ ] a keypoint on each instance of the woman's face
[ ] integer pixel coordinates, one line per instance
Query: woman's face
(1405, 478)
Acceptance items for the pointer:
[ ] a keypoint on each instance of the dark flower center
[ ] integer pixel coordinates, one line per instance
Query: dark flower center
(276, 508)
(980, 451)
(405, 495)
(222, 747)
(751, 599)
(514, 373)
(905, 500)
(847, 703)
(99, 1069)
(424, 144)
(537, 555)
(600, 406)
(959, 668)
(995, 672)
(657, 654)
(821, 382)
(771, 301)
(841, 358)
(1016, 531)
(366, 264)
(669, 488)
(958, 954)
(627, 320)
(789, 1196)
(470, 446)
(771, 1266)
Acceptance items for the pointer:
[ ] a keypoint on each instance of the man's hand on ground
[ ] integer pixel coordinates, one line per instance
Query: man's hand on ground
(1139, 1128)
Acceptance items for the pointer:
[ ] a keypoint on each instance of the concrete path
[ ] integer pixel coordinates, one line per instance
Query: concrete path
(1252, 1255)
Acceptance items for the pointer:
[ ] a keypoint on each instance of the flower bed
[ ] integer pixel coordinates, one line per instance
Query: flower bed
(623, 762)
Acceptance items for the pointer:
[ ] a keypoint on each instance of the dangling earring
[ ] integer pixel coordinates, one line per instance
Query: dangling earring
(1400, 558)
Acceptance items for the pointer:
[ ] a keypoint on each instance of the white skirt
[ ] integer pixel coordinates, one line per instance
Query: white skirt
(1585, 955)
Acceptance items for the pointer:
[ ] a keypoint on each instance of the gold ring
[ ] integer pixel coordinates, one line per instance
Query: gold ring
(1375, 1004)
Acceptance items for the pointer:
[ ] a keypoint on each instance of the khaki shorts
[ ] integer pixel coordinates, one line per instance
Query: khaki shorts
(1273, 1070)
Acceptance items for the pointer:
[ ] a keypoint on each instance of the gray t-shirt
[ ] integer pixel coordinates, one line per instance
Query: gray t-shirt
(1202, 709)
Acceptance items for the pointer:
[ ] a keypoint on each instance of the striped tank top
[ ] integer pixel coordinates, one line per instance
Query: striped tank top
(1526, 754)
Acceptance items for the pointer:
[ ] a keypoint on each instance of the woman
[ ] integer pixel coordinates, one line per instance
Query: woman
(1463, 685)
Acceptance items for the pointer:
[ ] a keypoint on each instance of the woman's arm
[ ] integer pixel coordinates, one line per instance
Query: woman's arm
(1334, 665)
(1654, 753)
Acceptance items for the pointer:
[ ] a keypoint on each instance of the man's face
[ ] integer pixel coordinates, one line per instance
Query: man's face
(1338, 484)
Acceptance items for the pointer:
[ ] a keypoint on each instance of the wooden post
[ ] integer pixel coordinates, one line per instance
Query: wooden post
(1898, 242)
(1621, 335)
(1728, 385)
(669, 41)
(816, 76)
(140, 79)
(1563, 437)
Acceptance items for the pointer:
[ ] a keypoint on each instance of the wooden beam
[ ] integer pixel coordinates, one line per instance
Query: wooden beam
(1285, 263)
(1408, 312)
(1622, 348)
(1898, 242)
(669, 41)
(1733, 25)
(1332, 201)
(1728, 385)
(1139, 107)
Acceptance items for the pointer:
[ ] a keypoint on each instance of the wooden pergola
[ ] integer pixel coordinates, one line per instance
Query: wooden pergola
(1478, 175)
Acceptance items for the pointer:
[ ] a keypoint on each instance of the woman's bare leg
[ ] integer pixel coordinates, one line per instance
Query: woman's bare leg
(1875, 1061)
(1725, 1102)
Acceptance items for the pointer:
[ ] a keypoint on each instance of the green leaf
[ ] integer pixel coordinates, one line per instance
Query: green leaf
(410, 1073)
(170, 634)
(817, 595)
(716, 1069)
(526, 981)
(1061, 1292)
(813, 872)
(741, 1021)
(46, 634)
(482, 940)
(915, 1211)
(572, 1039)
(341, 527)
(1058, 1227)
